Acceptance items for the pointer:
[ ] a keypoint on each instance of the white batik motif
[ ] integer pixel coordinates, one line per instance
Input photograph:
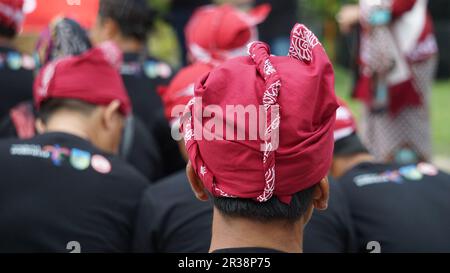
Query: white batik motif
(270, 98)
(271, 94)
(270, 185)
(302, 43)
(187, 122)
(268, 68)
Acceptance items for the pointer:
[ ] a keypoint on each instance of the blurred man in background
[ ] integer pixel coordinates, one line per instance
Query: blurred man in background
(16, 69)
(396, 64)
(207, 49)
(64, 37)
(127, 23)
(64, 188)
(402, 208)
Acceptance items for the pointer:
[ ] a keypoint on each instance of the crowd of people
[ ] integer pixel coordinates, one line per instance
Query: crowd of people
(108, 149)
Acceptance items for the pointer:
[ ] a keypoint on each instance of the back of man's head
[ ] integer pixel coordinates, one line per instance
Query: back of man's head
(132, 18)
(83, 95)
(273, 175)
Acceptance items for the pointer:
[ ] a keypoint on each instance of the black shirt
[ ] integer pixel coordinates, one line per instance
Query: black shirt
(171, 219)
(16, 79)
(138, 146)
(140, 149)
(331, 230)
(247, 250)
(189, 4)
(403, 208)
(57, 188)
(143, 76)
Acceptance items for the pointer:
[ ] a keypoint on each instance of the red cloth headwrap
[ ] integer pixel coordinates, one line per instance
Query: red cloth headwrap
(91, 77)
(217, 33)
(345, 122)
(11, 13)
(296, 95)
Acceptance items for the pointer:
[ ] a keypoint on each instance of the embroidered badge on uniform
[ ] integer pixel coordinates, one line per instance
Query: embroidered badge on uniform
(427, 169)
(411, 173)
(80, 159)
(14, 60)
(57, 153)
(101, 164)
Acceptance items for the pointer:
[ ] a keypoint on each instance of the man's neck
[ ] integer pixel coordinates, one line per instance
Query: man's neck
(69, 124)
(341, 164)
(130, 45)
(234, 232)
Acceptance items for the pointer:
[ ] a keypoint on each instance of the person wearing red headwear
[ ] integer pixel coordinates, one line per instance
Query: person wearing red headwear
(396, 62)
(207, 49)
(393, 208)
(16, 69)
(65, 189)
(127, 23)
(270, 182)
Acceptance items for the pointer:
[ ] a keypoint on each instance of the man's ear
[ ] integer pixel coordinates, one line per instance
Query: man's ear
(321, 194)
(109, 114)
(111, 28)
(196, 184)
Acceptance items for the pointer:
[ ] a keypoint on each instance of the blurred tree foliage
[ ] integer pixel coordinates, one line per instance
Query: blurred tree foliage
(321, 14)
(162, 6)
(162, 41)
(326, 9)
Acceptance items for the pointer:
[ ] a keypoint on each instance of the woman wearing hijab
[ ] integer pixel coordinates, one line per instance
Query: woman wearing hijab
(397, 61)
(63, 37)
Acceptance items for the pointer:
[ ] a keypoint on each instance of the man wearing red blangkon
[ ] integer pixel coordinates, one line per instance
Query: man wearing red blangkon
(264, 189)
(64, 190)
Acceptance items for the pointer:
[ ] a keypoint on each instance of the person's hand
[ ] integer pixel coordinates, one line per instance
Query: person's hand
(347, 17)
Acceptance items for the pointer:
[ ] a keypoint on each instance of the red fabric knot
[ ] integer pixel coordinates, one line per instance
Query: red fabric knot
(260, 53)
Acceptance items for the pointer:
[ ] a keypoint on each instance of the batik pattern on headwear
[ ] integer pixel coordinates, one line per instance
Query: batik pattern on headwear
(303, 42)
(188, 130)
(260, 53)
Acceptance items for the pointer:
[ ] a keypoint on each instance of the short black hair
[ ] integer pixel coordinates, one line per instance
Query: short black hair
(134, 17)
(49, 107)
(7, 32)
(350, 145)
(271, 210)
